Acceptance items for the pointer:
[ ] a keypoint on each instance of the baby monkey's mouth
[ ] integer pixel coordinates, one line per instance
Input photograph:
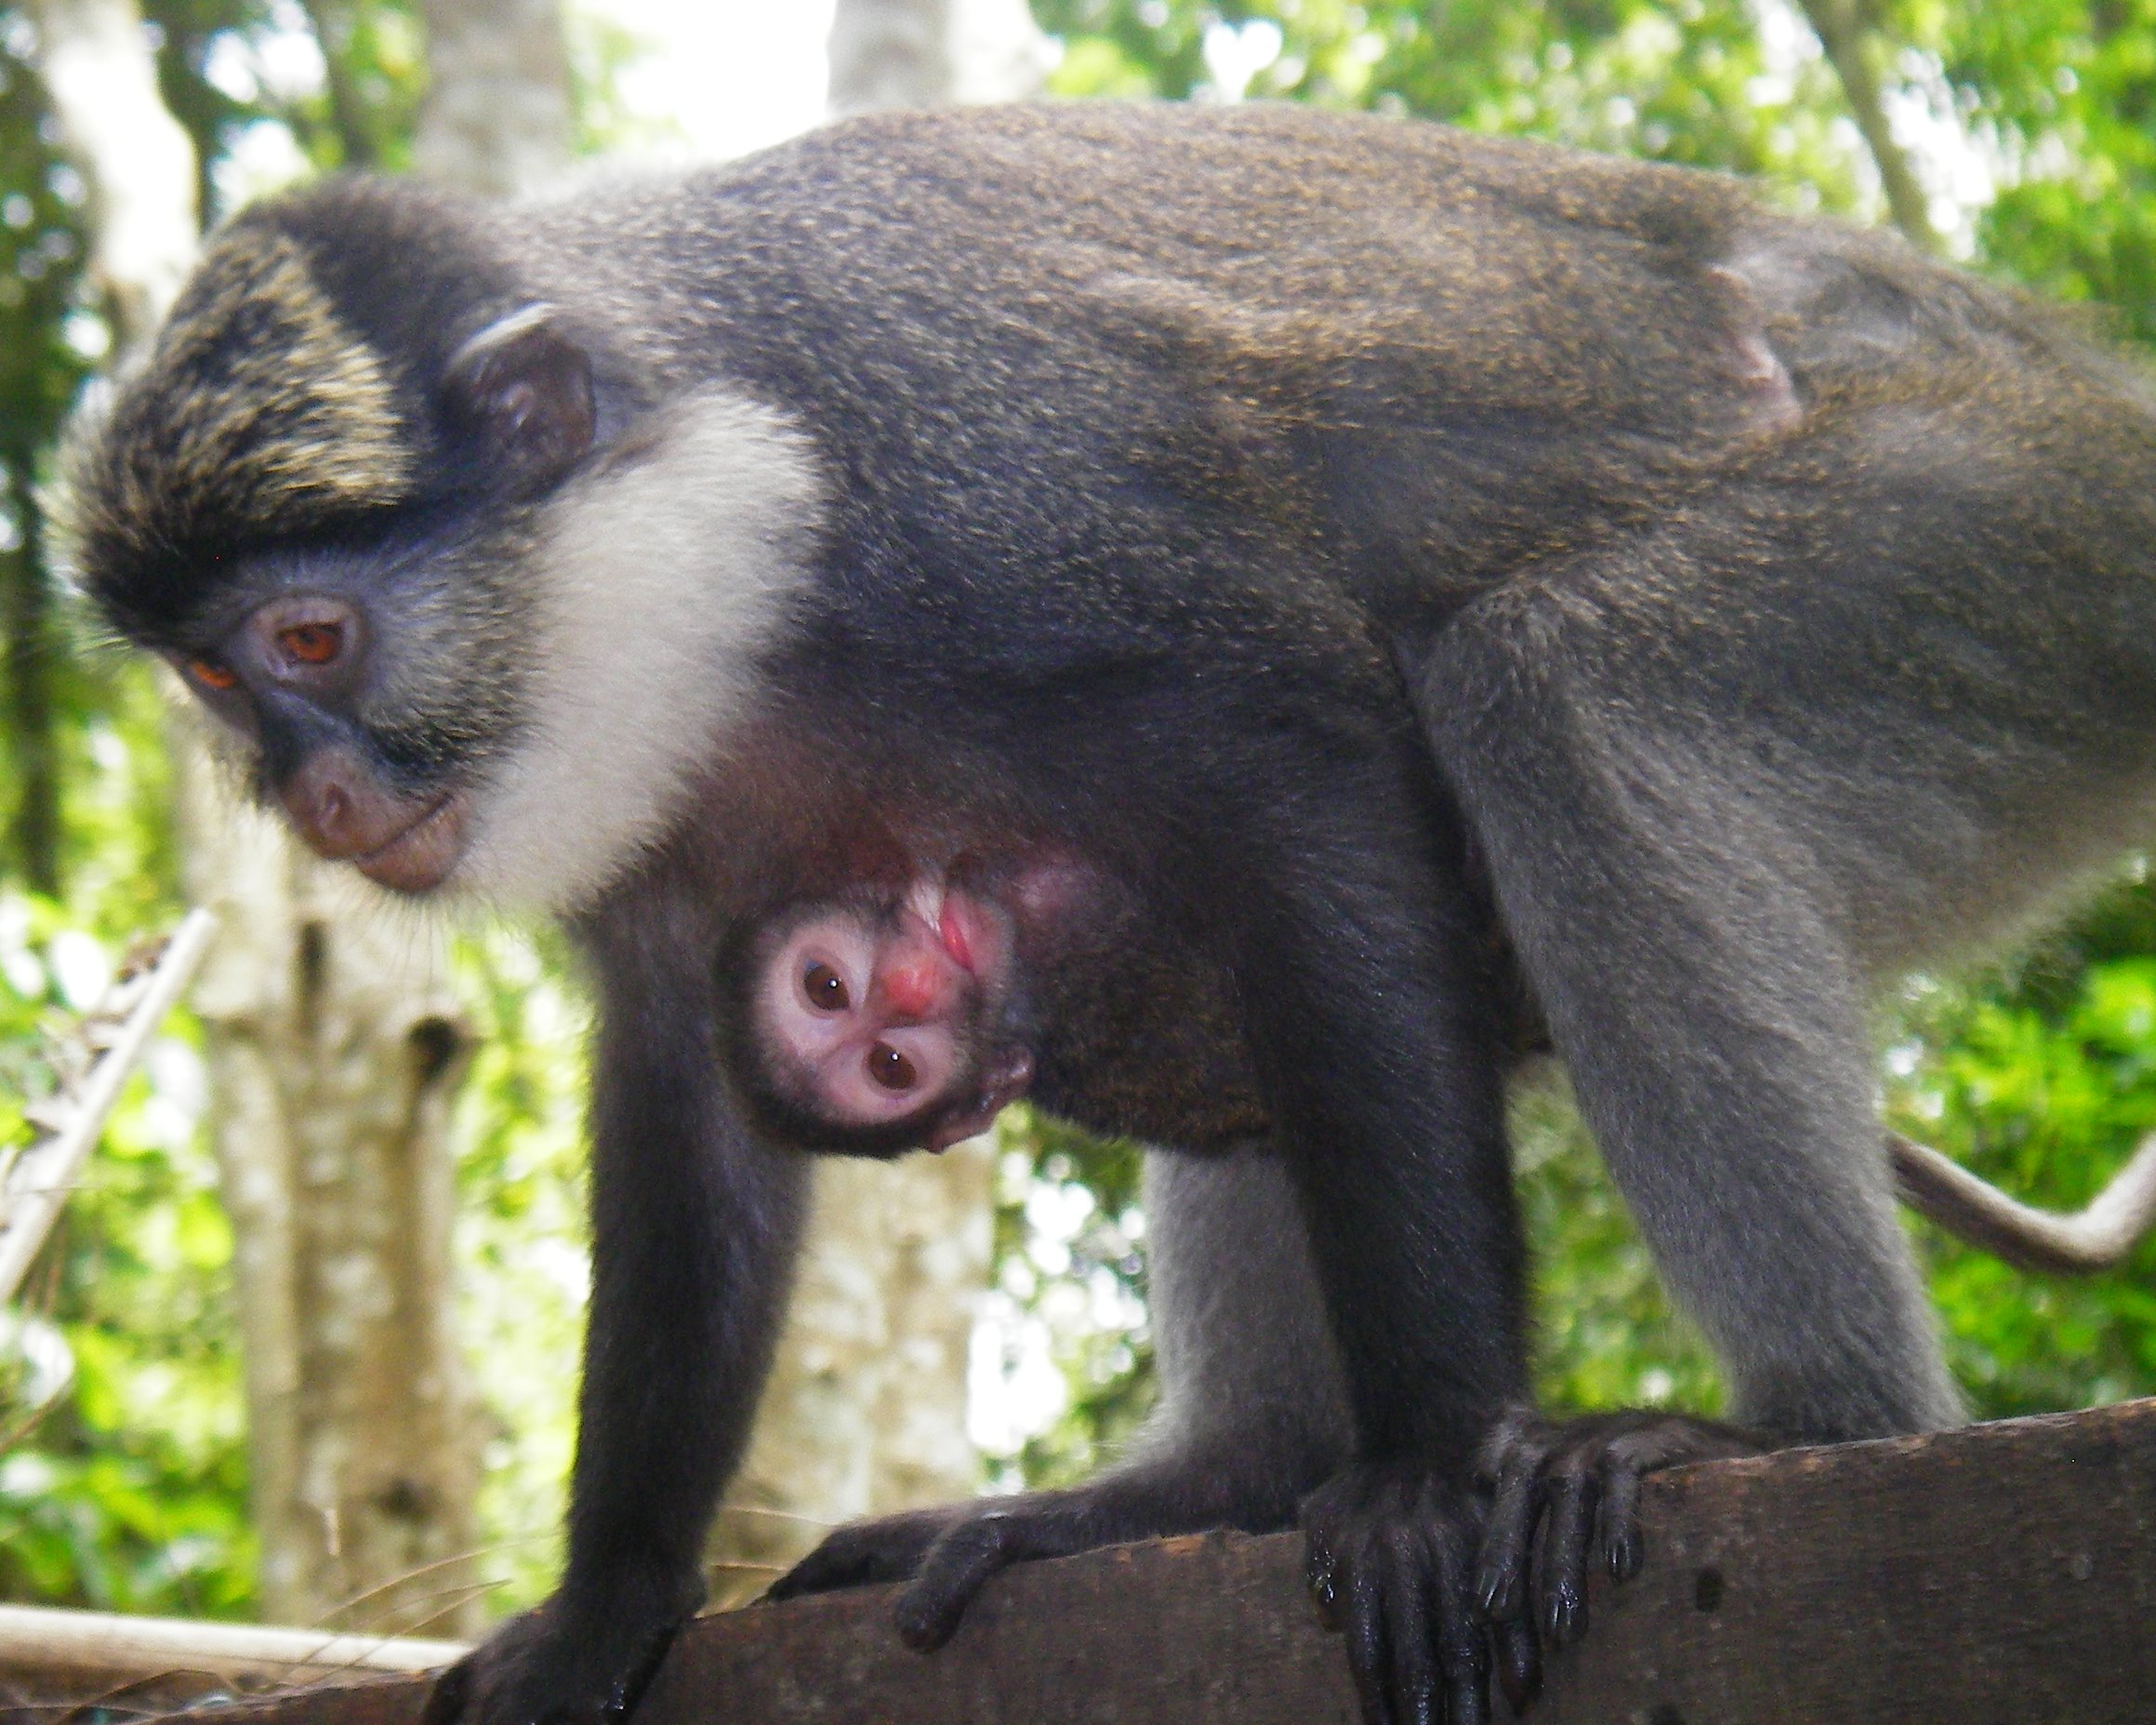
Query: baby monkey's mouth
(951, 918)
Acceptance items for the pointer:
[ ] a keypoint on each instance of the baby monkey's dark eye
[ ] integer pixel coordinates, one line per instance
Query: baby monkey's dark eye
(891, 1068)
(826, 989)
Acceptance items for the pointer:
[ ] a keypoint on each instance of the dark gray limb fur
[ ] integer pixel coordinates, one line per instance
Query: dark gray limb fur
(1252, 1409)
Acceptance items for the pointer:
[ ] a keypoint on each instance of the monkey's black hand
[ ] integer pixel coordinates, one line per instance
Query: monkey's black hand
(863, 1553)
(1391, 1560)
(550, 1667)
(1566, 1496)
(951, 1553)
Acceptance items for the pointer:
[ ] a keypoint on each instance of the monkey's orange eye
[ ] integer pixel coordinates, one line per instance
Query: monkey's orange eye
(891, 1068)
(213, 674)
(826, 989)
(312, 644)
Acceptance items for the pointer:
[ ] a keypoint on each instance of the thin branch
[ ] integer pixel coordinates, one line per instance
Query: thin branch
(1843, 31)
(86, 1643)
(334, 27)
(40, 1179)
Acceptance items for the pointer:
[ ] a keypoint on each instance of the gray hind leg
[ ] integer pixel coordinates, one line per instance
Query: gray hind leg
(1710, 1018)
(1252, 1412)
(1712, 1022)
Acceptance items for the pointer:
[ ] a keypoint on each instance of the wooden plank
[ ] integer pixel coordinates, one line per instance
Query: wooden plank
(150, 1665)
(102, 1647)
(2004, 1573)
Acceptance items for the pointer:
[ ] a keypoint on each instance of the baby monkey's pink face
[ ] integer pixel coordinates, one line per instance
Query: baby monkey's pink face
(877, 1009)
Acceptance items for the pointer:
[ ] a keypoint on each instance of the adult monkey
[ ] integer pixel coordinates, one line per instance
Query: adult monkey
(1229, 498)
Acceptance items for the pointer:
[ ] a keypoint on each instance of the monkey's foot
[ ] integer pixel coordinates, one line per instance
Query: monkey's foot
(1391, 1561)
(950, 1553)
(863, 1553)
(1566, 1496)
(556, 1666)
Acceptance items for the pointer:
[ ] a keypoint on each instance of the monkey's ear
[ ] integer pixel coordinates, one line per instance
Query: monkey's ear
(1005, 1077)
(522, 387)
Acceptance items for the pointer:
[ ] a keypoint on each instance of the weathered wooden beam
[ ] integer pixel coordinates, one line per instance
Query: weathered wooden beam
(98, 1647)
(55, 1660)
(2006, 1571)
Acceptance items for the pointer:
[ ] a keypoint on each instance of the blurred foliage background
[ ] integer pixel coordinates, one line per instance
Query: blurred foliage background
(2016, 137)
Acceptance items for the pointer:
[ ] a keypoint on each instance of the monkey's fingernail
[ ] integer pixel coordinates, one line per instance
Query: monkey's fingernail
(922, 1626)
(1626, 1555)
(1566, 1617)
(1520, 1674)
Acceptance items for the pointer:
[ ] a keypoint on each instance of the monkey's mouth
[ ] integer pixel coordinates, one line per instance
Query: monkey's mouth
(424, 854)
(953, 927)
(948, 919)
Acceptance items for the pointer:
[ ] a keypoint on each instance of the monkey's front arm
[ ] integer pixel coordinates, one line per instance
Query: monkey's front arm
(695, 1228)
(1360, 950)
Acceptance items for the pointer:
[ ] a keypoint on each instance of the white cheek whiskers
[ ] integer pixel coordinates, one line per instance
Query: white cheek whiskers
(658, 582)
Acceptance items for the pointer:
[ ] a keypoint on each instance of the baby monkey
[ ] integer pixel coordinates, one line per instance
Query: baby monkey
(897, 1014)
(890, 1017)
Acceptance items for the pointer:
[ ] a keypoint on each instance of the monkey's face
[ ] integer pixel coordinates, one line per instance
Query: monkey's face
(323, 681)
(876, 1013)
(480, 603)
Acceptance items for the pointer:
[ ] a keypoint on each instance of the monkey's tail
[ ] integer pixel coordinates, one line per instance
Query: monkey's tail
(2078, 1244)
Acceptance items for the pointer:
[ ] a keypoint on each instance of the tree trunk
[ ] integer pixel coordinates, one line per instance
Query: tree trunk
(135, 156)
(496, 119)
(334, 1051)
(931, 53)
(889, 54)
(866, 1409)
(27, 645)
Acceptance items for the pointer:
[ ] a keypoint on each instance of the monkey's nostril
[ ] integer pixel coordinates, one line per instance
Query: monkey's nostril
(337, 811)
(912, 990)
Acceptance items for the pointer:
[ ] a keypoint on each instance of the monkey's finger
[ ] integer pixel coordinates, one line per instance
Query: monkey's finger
(1462, 1644)
(1631, 1457)
(890, 1549)
(1321, 1575)
(1410, 1608)
(1501, 1587)
(1616, 1534)
(1362, 1613)
(1569, 1500)
(824, 1569)
(957, 1567)
(1520, 1662)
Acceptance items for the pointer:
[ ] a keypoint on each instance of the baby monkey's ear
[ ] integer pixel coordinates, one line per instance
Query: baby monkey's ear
(522, 387)
(1005, 1077)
